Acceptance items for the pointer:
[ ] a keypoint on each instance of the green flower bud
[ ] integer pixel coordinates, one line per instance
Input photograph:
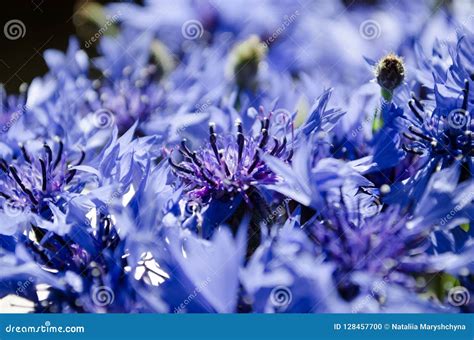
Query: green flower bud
(244, 61)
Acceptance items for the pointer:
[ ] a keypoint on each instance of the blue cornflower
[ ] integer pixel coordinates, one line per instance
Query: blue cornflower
(317, 180)
(335, 265)
(389, 247)
(362, 244)
(127, 99)
(33, 183)
(128, 90)
(283, 275)
(425, 241)
(441, 129)
(447, 202)
(229, 165)
(442, 135)
(88, 264)
(461, 66)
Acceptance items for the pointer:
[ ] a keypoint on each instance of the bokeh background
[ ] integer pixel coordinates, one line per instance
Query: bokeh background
(49, 24)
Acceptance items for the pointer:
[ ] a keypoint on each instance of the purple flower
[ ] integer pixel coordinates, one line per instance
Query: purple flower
(441, 136)
(36, 183)
(230, 165)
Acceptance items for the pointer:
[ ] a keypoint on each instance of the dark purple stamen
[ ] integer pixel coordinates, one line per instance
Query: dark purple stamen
(5, 195)
(415, 110)
(196, 160)
(282, 147)
(240, 141)
(3, 165)
(179, 168)
(439, 139)
(266, 123)
(254, 164)
(184, 149)
(73, 172)
(209, 172)
(466, 95)
(264, 140)
(25, 154)
(81, 159)
(410, 150)
(420, 134)
(213, 140)
(49, 152)
(410, 137)
(275, 148)
(71, 175)
(43, 173)
(226, 168)
(417, 102)
(22, 186)
(60, 152)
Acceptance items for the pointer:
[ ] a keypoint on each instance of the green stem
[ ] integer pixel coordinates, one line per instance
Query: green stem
(377, 124)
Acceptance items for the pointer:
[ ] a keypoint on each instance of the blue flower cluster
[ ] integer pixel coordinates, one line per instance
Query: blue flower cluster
(245, 156)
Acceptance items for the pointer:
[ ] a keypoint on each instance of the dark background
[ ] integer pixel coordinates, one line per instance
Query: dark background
(49, 23)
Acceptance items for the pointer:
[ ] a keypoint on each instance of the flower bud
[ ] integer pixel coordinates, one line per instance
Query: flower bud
(390, 72)
(244, 61)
